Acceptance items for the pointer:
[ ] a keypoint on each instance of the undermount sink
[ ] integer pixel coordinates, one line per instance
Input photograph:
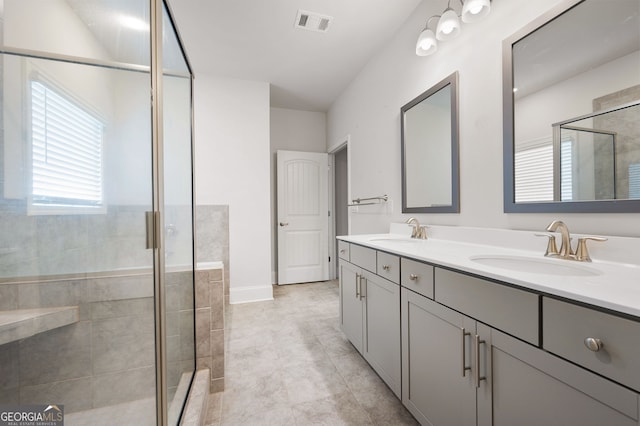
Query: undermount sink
(536, 266)
(398, 240)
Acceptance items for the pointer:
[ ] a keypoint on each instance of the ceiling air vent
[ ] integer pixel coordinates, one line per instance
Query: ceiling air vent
(312, 21)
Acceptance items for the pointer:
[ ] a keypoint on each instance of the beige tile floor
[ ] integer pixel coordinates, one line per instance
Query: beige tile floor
(288, 363)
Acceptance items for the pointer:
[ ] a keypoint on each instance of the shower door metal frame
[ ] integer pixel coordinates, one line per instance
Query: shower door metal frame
(157, 8)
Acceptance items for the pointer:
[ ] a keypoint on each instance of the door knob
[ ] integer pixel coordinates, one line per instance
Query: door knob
(284, 223)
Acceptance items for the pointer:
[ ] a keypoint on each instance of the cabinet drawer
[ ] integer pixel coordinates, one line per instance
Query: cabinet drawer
(343, 250)
(565, 327)
(388, 266)
(417, 276)
(363, 257)
(506, 308)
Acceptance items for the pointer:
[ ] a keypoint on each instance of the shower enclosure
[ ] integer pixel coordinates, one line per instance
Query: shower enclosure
(96, 210)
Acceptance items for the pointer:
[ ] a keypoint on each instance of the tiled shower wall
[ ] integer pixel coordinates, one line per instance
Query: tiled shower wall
(212, 245)
(627, 150)
(212, 237)
(106, 358)
(67, 244)
(210, 326)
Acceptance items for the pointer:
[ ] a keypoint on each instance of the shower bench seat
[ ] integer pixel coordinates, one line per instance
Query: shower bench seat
(22, 323)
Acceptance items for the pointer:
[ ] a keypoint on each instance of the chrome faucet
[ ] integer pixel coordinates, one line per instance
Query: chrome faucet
(419, 231)
(565, 246)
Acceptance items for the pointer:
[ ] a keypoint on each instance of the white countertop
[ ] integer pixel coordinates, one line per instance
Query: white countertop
(616, 285)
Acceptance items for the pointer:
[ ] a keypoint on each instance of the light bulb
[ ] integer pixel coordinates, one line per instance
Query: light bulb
(426, 44)
(475, 9)
(448, 25)
(133, 23)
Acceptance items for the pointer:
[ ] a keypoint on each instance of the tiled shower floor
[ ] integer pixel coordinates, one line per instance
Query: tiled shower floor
(288, 363)
(140, 412)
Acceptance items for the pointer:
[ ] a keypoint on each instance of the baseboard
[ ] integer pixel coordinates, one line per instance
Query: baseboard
(250, 294)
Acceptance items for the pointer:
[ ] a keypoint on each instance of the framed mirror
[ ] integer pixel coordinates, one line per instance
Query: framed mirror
(429, 140)
(571, 89)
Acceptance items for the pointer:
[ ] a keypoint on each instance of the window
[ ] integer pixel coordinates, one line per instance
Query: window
(534, 171)
(66, 154)
(634, 181)
(566, 170)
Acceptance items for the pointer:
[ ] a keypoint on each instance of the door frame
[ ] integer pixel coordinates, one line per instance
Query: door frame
(344, 142)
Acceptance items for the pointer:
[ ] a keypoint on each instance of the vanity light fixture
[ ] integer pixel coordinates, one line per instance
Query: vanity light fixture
(427, 43)
(448, 26)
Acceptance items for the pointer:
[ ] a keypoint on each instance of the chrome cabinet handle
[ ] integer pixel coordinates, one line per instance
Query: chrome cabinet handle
(363, 294)
(413, 277)
(386, 267)
(593, 344)
(477, 361)
(464, 334)
(358, 286)
(284, 223)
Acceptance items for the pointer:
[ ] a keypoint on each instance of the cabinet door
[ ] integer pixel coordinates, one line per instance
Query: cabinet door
(351, 312)
(436, 387)
(382, 328)
(533, 387)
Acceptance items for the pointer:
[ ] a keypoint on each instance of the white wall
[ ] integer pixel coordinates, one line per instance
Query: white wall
(369, 110)
(572, 97)
(292, 130)
(232, 167)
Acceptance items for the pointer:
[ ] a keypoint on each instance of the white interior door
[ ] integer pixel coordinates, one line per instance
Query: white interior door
(303, 222)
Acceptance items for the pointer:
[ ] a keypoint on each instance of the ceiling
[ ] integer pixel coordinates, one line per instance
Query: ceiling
(257, 40)
(587, 36)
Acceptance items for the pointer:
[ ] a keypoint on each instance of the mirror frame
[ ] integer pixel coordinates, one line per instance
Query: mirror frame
(510, 206)
(451, 80)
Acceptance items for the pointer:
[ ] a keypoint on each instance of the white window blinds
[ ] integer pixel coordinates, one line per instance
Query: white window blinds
(566, 170)
(634, 181)
(66, 152)
(534, 172)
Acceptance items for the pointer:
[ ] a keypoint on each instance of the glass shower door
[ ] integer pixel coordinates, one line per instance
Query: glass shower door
(178, 220)
(76, 165)
(77, 180)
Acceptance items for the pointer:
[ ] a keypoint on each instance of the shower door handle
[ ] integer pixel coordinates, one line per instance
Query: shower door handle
(151, 219)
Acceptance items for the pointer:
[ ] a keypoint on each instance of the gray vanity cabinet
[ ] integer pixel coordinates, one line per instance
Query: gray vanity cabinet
(370, 318)
(457, 370)
(530, 387)
(382, 329)
(351, 306)
(437, 387)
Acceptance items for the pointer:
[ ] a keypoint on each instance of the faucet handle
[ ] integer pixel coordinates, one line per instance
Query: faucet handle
(552, 249)
(582, 253)
(422, 233)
